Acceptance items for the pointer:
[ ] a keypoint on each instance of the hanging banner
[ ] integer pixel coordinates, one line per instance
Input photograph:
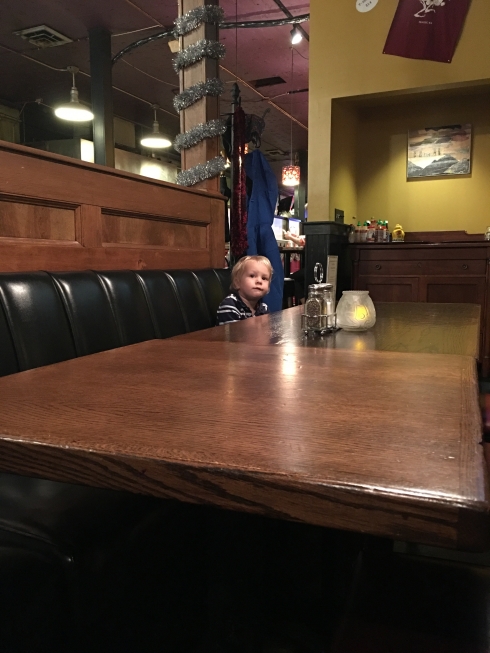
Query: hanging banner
(427, 29)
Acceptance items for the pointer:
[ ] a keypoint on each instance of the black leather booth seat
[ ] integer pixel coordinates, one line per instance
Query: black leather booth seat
(50, 317)
(48, 528)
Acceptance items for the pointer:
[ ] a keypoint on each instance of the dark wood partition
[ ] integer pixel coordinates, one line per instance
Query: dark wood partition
(58, 213)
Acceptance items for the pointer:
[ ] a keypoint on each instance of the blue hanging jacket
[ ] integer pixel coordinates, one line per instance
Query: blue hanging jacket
(261, 205)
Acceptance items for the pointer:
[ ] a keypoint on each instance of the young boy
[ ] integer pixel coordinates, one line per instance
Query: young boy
(250, 281)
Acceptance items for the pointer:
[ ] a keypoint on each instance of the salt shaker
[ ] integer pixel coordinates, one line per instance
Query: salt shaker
(328, 303)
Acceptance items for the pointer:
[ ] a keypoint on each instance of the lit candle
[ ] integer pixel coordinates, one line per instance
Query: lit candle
(355, 311)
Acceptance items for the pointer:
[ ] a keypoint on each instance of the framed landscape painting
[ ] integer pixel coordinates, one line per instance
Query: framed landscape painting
(439, 151)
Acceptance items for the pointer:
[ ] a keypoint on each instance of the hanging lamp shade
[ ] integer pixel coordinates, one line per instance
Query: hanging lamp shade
(296, 36)
(155, 140)
(290, 175)
(73, 110)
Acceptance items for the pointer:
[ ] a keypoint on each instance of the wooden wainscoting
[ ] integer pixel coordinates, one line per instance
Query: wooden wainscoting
(58, 213)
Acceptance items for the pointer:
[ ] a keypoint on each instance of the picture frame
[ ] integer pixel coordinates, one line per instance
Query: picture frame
(439, 152)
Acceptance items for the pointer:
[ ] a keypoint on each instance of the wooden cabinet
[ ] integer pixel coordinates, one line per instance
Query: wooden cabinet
(428, 272)
(390, 289)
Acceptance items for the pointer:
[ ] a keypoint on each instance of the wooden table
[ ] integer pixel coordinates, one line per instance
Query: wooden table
(377, 442)
(402, 327)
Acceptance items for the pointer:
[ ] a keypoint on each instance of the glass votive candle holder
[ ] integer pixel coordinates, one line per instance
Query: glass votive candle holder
(355, 311)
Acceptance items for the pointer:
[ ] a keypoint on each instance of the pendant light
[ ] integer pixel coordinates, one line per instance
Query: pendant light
(296, 36)
(73, 110)
(291, 173)
(155, 140)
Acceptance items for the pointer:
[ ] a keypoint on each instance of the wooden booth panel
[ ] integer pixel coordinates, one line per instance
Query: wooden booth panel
(19, 219)
(48, 176)
(25, 257)
(58, 213)
(147, 232)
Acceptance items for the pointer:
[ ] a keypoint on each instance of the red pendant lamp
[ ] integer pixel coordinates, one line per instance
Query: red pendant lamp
(291, 173)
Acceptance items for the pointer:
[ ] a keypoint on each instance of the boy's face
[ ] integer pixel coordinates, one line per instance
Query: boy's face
(255, 281)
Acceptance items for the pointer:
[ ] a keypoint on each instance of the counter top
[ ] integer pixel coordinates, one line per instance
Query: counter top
(424, 244)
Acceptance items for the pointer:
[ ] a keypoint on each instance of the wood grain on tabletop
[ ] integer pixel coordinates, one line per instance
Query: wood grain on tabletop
(382, 442)
(402, 327)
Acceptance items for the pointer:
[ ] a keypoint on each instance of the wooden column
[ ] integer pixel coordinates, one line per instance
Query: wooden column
(208, 107)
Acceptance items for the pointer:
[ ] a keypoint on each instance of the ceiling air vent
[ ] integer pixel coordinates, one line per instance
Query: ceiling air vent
(268, 81)
(43, 36)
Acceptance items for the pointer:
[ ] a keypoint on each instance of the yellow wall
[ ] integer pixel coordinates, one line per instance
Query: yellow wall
(346, 60)
(343, 182)
(424, 204)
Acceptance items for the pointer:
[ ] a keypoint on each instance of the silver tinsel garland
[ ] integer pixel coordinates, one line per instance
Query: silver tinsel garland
(197, 51)
(189, 96)
(196, 17)
(213, 87)
(201, 172)
(198, 133)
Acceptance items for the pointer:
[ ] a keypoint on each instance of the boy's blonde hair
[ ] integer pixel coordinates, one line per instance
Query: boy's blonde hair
(239, 269)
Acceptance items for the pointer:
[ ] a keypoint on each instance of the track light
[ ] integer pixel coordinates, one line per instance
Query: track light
(155, 140)
(73, 110)
(296, 35)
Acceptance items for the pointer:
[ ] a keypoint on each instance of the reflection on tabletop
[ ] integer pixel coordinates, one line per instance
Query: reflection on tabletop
(401, 327)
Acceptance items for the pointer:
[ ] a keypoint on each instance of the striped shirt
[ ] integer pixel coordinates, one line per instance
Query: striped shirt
(234, 309)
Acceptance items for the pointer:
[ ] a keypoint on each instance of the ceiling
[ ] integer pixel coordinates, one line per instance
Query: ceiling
(145, 75)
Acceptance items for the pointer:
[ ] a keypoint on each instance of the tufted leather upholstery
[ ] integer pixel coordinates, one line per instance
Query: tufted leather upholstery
(87, 307)
(37, 320)
(8, 359)
(214, 287)
(191, 294)
(50, 317)
(166, 308)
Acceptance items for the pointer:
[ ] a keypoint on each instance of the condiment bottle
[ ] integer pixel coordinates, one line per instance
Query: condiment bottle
(357, 237)
(364, 230)
(352, 235)
(387, 232)
(371, 232)
(315, 308)
(328, 302)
